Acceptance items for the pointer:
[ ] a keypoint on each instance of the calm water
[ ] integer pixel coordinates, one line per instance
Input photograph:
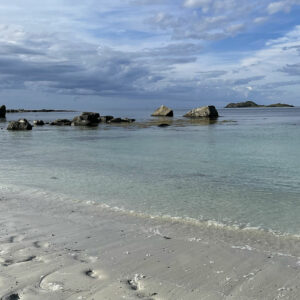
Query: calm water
(245, 172)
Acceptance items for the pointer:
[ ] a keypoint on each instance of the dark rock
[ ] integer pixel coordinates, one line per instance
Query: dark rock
(22, 124)
(38, 123)
(120, 120)
(61, 122)
(87, 119)
(106, 119)
(163, 125)
(2, 111)
(163, 111)
(242, 104)
(209, 112)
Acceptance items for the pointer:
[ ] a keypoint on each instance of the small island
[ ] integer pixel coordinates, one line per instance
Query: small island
(253, 104)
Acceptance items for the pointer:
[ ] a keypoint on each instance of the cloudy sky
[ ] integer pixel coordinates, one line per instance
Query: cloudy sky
(93, 53)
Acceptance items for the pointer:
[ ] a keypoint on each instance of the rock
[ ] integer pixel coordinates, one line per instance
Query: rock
(61, 122)
(38, 122)
(106, 119)
(209, 112)
(242, 104)
(87, 119)
(22, 124)
(120, 120)
(163, 111)
(2, 111)
(163, 125)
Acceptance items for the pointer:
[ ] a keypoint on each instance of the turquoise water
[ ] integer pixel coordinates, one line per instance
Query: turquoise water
(245, 172)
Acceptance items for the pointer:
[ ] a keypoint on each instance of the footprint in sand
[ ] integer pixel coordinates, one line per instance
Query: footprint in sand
(135, 284)
(8, 262)
(72, 278)
(15, 238)
(39, 244)
(93, 274)
(14, 296)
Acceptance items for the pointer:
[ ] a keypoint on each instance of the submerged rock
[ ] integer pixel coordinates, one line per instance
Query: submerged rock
(209, 112)
(38, 122)
(87, 119)
(61, 122)
(120, 120)
(163, 125)
(22, 124)
(106, 119)
(163, 111)
(2, 111)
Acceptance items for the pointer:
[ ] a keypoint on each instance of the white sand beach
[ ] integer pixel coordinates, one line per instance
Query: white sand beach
(53, 249)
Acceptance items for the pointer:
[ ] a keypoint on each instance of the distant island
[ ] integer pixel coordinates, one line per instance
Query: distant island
(253, 104)
(21, 110)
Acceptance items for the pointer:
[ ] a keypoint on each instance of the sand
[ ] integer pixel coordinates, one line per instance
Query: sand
(54, 249)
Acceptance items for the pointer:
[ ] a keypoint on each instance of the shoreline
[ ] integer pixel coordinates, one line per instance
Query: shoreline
(58, 249)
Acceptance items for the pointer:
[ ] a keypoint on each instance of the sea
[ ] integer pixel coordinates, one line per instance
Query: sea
(242, 170)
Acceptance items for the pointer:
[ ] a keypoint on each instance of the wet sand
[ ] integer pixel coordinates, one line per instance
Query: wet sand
(53, 249)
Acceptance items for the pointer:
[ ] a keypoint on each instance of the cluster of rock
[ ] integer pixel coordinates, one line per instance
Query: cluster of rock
(2, 111)
(208, 112)
(21, 124)
(92, 119)
(253, 104)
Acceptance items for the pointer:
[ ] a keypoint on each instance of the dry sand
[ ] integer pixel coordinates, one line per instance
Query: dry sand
(54, 249)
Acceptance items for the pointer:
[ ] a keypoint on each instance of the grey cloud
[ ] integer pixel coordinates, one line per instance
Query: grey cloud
(279, 84)
(248, 80)
(293, 69)
(212, 74)
(183, 49)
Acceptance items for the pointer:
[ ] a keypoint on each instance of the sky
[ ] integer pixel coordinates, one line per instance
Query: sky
(142, 53)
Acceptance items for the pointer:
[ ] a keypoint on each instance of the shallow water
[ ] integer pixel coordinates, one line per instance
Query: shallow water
(245, 172)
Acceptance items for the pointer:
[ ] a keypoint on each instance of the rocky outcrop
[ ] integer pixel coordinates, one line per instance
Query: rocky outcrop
(2, 111)
(22, 124)
(38, 123)
(163, 111)
(208, 112)
(87, 119)
(120, 120)
(61, 122)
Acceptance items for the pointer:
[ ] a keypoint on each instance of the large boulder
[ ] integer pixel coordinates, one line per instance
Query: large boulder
(22, 124)
(2, 111)
(87, 119)
(209, 112)
(61, 122)
(163, 111)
